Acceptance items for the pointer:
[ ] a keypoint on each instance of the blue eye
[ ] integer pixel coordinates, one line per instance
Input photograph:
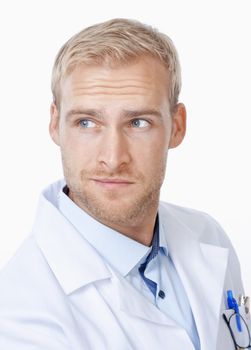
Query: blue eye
(86, 123)
(140, 123)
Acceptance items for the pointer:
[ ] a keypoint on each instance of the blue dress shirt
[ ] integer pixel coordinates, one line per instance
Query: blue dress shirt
(148, 269)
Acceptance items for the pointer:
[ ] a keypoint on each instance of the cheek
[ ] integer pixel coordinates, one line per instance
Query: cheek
(156, 146)
(77, 154)
(152, 157)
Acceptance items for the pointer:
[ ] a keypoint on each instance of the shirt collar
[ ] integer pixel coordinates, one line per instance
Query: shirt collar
(120, 251)
(162, 237)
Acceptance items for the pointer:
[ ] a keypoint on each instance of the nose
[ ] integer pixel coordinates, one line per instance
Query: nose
(114, 154)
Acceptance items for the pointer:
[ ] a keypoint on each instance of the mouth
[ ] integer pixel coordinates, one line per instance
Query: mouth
(112, 183)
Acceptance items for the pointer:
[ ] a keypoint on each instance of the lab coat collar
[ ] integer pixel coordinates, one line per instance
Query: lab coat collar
(203, 282)
(74, 262)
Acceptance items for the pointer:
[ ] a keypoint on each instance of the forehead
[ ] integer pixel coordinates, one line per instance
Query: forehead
(143, 80)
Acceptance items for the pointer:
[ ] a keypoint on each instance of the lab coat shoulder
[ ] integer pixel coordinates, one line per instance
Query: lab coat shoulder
(204, 228)
(27, 315)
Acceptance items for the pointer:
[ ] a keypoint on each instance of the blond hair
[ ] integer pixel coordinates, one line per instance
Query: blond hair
(117, 41)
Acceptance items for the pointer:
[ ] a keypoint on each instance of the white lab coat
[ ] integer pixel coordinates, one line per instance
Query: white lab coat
(57, 293)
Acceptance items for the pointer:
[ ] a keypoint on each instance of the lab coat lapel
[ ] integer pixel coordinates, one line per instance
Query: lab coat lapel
(202, 269)
(74, 262)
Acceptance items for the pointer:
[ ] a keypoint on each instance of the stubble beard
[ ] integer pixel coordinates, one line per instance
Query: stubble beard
(111, 208)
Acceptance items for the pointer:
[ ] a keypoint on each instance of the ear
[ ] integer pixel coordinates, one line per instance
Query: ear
(54, 123)
(178, 125)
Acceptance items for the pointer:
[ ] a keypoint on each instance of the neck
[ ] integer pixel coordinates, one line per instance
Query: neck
(138, 227)
(141, 231)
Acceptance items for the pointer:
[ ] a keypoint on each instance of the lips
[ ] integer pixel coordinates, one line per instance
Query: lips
(112, 183)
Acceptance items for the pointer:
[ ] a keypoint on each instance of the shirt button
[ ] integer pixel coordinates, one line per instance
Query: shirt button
(162, 294)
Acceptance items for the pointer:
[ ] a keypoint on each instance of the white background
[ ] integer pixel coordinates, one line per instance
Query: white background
(210, 171)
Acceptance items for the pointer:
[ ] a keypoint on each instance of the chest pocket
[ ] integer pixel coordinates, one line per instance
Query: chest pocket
(238, 327)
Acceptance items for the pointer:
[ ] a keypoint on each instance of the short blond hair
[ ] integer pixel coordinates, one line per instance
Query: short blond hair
(117, 41)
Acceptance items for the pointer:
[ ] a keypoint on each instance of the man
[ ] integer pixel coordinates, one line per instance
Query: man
(107, 266)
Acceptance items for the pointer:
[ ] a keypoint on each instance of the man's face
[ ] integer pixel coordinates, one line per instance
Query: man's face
(114, 129)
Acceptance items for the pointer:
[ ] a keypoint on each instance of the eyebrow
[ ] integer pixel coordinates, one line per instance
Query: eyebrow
(125, 113)
(79, 111)
(141, 112)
